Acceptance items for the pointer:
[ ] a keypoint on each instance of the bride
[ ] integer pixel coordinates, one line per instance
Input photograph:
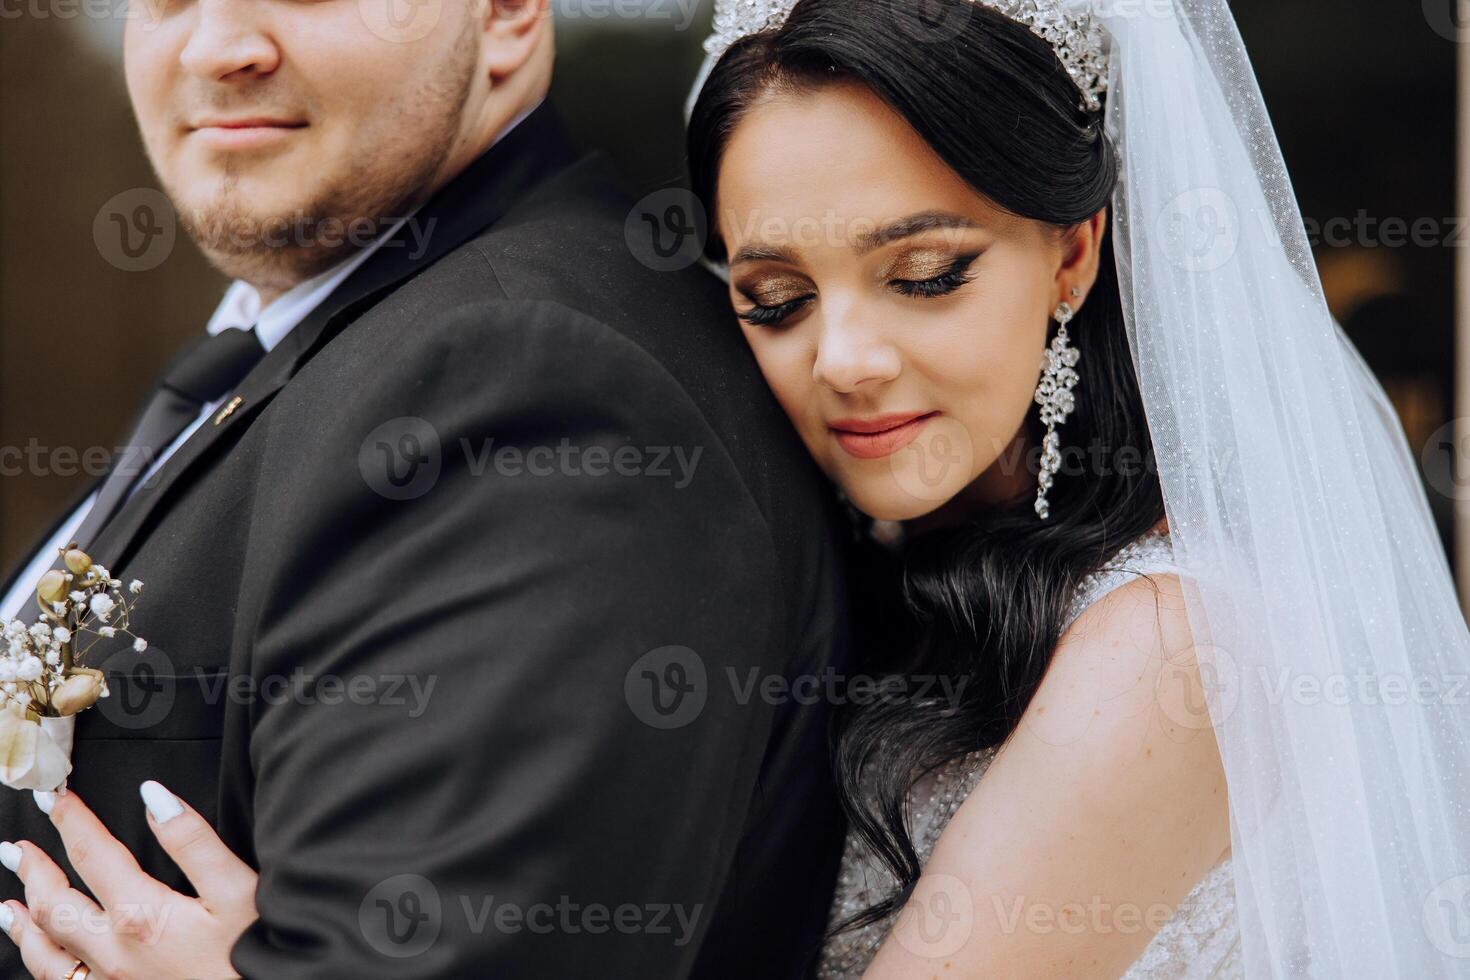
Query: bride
(1029, 280)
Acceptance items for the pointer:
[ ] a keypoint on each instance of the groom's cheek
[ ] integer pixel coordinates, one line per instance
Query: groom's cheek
(151, 48)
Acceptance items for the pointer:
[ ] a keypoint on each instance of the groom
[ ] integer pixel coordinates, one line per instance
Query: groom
(461, 542)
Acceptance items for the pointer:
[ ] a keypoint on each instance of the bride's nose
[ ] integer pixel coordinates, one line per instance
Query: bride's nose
(851, 353)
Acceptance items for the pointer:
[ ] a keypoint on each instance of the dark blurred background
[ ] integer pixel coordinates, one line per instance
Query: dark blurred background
(1362, 93)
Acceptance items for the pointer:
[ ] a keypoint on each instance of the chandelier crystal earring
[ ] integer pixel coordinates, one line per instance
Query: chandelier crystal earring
(1054, 394)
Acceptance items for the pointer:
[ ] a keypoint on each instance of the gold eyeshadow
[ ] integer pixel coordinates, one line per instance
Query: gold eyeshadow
(775, 290)
(919, 265)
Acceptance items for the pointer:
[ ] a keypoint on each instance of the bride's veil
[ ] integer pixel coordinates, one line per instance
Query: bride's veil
(1320, 596)
(1335, 656)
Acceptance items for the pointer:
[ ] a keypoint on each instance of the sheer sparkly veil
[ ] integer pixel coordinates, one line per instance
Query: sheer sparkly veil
(1334, 654)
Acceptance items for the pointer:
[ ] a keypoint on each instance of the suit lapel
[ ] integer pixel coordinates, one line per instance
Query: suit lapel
(472, 202)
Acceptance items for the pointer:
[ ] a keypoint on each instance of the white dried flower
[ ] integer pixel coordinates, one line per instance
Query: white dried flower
(53, 657)
(78, 597)
(135, 586)
(7, 671)
(62, 634)
(140, 644)
(40, 631)
(102, 606)
(29, 669)
(107, 632)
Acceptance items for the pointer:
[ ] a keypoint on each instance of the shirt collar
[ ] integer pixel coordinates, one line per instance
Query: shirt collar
(241, 306)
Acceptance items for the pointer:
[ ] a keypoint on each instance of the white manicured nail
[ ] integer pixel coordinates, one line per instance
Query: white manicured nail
(7, 918)
(10, 856)
(160, 802)
(44, 800)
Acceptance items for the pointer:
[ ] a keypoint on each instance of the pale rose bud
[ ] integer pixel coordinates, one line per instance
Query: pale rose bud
(78, 692)
(78, 560)
(52, 587)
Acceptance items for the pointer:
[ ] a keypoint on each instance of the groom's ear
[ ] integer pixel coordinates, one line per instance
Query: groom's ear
(513, 30)
(1082, 247)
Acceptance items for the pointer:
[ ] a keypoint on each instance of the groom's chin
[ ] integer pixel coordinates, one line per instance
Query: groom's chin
(269, 241)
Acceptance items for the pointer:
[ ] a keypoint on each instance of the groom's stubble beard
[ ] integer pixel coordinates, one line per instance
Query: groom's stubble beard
(390, 172)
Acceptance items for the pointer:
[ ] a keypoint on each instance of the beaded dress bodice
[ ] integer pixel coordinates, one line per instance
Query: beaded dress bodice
(1199, 941)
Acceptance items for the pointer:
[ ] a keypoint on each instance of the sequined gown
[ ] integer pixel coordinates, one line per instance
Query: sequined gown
(1199, 941)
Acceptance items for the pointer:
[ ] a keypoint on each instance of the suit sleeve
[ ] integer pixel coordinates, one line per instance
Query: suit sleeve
(524, 592)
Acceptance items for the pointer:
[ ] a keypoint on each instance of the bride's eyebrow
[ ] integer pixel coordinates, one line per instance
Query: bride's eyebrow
(763, 253)
(907, 227)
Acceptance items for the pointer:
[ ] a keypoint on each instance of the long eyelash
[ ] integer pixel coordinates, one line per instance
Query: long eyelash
(941, 285)
(769, 316)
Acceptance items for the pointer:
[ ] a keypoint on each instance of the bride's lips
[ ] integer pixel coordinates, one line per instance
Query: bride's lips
(879, 436)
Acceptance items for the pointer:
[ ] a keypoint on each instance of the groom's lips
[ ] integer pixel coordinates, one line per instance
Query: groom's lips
(246, 132)
(880, 435)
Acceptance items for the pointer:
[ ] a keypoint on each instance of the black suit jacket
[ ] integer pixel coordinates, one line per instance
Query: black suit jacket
(472, 626)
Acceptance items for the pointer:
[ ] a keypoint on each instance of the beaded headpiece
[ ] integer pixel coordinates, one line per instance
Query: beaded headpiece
(1073, 33)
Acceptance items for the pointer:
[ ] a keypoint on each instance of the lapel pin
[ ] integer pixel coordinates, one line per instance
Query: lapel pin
(229, 409)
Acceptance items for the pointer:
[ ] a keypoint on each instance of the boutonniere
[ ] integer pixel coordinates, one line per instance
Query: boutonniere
(43, 684)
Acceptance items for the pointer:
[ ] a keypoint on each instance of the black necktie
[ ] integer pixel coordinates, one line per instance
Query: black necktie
(200, 374)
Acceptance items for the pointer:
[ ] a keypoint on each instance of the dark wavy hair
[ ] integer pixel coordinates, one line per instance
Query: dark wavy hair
(983, 601)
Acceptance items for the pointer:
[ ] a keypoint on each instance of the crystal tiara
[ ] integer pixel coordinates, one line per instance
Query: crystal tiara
(1074, 34)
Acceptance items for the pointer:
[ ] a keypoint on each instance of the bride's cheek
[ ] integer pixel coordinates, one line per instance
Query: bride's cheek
(786, 367)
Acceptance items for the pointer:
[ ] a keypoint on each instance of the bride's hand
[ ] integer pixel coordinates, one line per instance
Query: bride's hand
(142, 928)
